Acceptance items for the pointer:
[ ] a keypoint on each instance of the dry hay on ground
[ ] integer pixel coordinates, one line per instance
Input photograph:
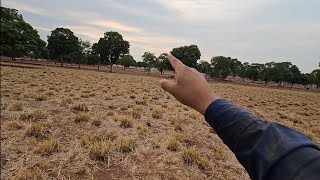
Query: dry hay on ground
(77, 124)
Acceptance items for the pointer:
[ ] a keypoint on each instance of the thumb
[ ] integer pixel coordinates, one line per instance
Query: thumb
(168, 86)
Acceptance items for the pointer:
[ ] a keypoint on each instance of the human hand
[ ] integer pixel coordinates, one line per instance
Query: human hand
(189, 87)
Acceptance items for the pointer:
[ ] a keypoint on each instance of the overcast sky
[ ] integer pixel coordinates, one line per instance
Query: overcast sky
(250, 30)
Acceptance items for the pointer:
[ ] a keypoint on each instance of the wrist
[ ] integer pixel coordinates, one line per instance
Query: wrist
(205, 102)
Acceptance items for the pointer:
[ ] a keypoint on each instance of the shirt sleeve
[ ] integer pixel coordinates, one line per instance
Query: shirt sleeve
(266, 150)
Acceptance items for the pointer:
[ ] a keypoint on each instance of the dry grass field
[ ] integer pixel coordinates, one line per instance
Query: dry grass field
(76, 124)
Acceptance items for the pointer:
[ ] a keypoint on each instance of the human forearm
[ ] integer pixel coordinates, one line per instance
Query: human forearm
(257, 144)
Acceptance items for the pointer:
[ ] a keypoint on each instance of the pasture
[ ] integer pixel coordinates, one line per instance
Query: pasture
(61, 123)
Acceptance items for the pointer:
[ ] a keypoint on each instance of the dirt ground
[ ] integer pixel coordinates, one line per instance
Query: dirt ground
(76, 124)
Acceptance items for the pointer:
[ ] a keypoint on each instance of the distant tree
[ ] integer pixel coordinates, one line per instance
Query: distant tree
(18, 38)
(150, 59)
(95, 48)
(306, 79)
(84, 51)
(94, 57)
(41, 50)
(141, 64)
(267, 72)
(221, 67)
(126, 61)
(294, 75)
(282, 72)
(243, 70)
(189, 55)
(253, 71)
(85, 46)
(235, 67)
(204, 67)
(111, 47)
(162, 63)
(315, 75)
(61, 43)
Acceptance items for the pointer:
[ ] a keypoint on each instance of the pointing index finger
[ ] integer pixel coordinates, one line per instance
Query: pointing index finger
(175, 63)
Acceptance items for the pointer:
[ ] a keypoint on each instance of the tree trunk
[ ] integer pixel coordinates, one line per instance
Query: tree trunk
(111, 67)
(61, 60)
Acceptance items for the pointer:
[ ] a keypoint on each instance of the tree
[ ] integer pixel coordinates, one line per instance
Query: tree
(306, 79)
(141, 64)
(94, 57)
(267, 72)
(41, 50)
(315, 75)
(83, 52)
(282, 72)
(235, 66)
(221, 67)
(126, 61)
(61, 43)
(162, 63)
(18, 38)
(253, 71)
(243, 70)
(111, 47)
(204, 67)
(150, 59)
(295, 75)
(189, 55)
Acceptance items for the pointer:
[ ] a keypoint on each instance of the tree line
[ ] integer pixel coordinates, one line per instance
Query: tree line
(18, 39)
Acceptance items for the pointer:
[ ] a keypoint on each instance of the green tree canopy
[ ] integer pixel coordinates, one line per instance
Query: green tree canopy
(18, 38)
(294, 75)
(142, 64)
(81, 56)
(189, 55)
(162, 63)
(267, 72)
(221, 67)
(127, 61)
(254, 71)
(306, 79)
(204, 67)
(111, 47)
(243, 70)
(62, 43)
(150, 59)
(316, 77)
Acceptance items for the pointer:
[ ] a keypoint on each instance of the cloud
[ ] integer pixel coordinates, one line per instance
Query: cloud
(93, 25)
(95, 19)
(86, 32)
(27, 7)
(114, 25)
(214, 10)
(42, 28)
(140, 8)
(250, 30)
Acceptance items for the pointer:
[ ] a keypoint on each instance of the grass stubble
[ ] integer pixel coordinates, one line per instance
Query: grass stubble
(94, 125)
